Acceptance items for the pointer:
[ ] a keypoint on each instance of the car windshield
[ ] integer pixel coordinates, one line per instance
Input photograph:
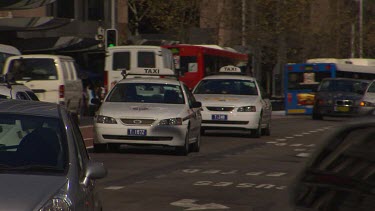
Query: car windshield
(227, 86)
(343, 86)
(146, 93)
(31, 144)
(33, 69)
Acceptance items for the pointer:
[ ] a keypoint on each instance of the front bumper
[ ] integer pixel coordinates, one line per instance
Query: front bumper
(234, 120)
(163, 135)
(343, 110)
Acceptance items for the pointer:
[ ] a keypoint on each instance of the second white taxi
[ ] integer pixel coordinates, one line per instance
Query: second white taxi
(234, 101)
(148, 107)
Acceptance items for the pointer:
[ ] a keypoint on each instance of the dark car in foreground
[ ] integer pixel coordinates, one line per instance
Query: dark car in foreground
(340, 176)
(341, 97)
(44, 164)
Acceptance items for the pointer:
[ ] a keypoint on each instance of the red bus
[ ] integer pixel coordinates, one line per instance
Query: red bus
(193, 62)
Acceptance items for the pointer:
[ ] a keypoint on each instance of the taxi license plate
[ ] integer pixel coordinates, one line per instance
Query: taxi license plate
(219, 117)
(342, 108)
(137, 132)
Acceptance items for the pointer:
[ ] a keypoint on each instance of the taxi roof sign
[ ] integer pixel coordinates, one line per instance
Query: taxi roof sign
(230, 69)
(148, 72)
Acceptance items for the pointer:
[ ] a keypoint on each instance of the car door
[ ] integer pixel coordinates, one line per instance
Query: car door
(196, 117)
(86, 200)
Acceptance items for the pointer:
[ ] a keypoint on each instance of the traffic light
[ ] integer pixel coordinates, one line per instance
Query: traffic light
(110, 38)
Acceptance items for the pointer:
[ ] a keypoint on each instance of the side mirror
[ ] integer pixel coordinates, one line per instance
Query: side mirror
(338, 169)
(197, 104)
(94, 170)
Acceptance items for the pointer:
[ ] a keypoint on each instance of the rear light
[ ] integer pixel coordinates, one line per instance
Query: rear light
(290, 68)
(61, 91)
(328, 67)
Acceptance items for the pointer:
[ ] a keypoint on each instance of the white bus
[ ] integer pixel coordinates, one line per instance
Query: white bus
(5, 52)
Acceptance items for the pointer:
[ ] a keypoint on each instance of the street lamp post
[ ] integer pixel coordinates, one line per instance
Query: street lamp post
(360, 28)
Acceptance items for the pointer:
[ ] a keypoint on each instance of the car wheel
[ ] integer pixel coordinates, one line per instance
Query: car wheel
(317, 116)
(114, 147)
(197, 144)
(256, 133)
(184, 150)
(99, 148)
(267, 131)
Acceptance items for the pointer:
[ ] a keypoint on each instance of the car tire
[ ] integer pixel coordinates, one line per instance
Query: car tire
(256, 133)
(184, 150)
(195, 147)
(100, 148)
(317, 116)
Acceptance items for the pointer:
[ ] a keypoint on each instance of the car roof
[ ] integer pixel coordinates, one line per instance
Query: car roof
(150, 80)
(29, 107)
(230, 76)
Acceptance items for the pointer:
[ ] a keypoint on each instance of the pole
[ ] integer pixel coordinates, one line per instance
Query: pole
(243, 22)
(360, 28)
(113, 14)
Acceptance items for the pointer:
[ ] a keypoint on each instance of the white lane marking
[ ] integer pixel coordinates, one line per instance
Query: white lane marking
(281, 139)
(271, 142)
(306, 133)
(275, 174)
(280, 144)
(191, 170)
(300, 150)
(114, 187)
(255, 173)
(313, 131)
(161, 176)
(303, 155)
(192, 205)
(295, 145)
(212, 171)
(289, 137)
(298, 135)
(223, 184)
(311, 145)
(266, 186)
(229, 172)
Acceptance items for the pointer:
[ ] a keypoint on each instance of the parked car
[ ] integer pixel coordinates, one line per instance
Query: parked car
(53, 78)
(146, 110)
(44, 164)
(231, 100)
(341, 97)
(13, 90)
(340, 174)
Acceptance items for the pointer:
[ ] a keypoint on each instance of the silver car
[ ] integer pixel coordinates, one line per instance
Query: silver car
(44, 164)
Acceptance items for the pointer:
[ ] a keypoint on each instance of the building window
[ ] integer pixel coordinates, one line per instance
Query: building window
(96, 9)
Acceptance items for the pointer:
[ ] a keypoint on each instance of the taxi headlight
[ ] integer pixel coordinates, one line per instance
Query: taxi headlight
(171, 121)
(57, 203)
(247, 109)
(105, 120)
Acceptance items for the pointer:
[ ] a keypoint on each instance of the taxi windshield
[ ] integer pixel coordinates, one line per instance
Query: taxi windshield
(227, 86)
(146, 93)
(32, 144)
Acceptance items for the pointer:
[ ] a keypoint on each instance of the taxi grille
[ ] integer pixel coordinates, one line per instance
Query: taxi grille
(211, 108)
(344, 102)
(138, 121)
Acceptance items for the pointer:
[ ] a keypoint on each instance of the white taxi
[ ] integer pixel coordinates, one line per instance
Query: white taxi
(231, 100)
(143, 109)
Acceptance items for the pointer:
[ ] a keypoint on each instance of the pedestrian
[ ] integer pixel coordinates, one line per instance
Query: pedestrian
(91, 93)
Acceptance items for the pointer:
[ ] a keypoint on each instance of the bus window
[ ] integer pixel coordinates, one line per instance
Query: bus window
(301, 80)
(186, 63)
(121, 60)
(146, 59)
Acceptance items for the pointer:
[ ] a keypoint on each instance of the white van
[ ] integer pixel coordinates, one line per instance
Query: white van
(53, 78)
(128, 57)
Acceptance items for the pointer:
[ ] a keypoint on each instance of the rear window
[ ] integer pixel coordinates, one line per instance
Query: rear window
(121, 60)
(33, 69)
(146, 59)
